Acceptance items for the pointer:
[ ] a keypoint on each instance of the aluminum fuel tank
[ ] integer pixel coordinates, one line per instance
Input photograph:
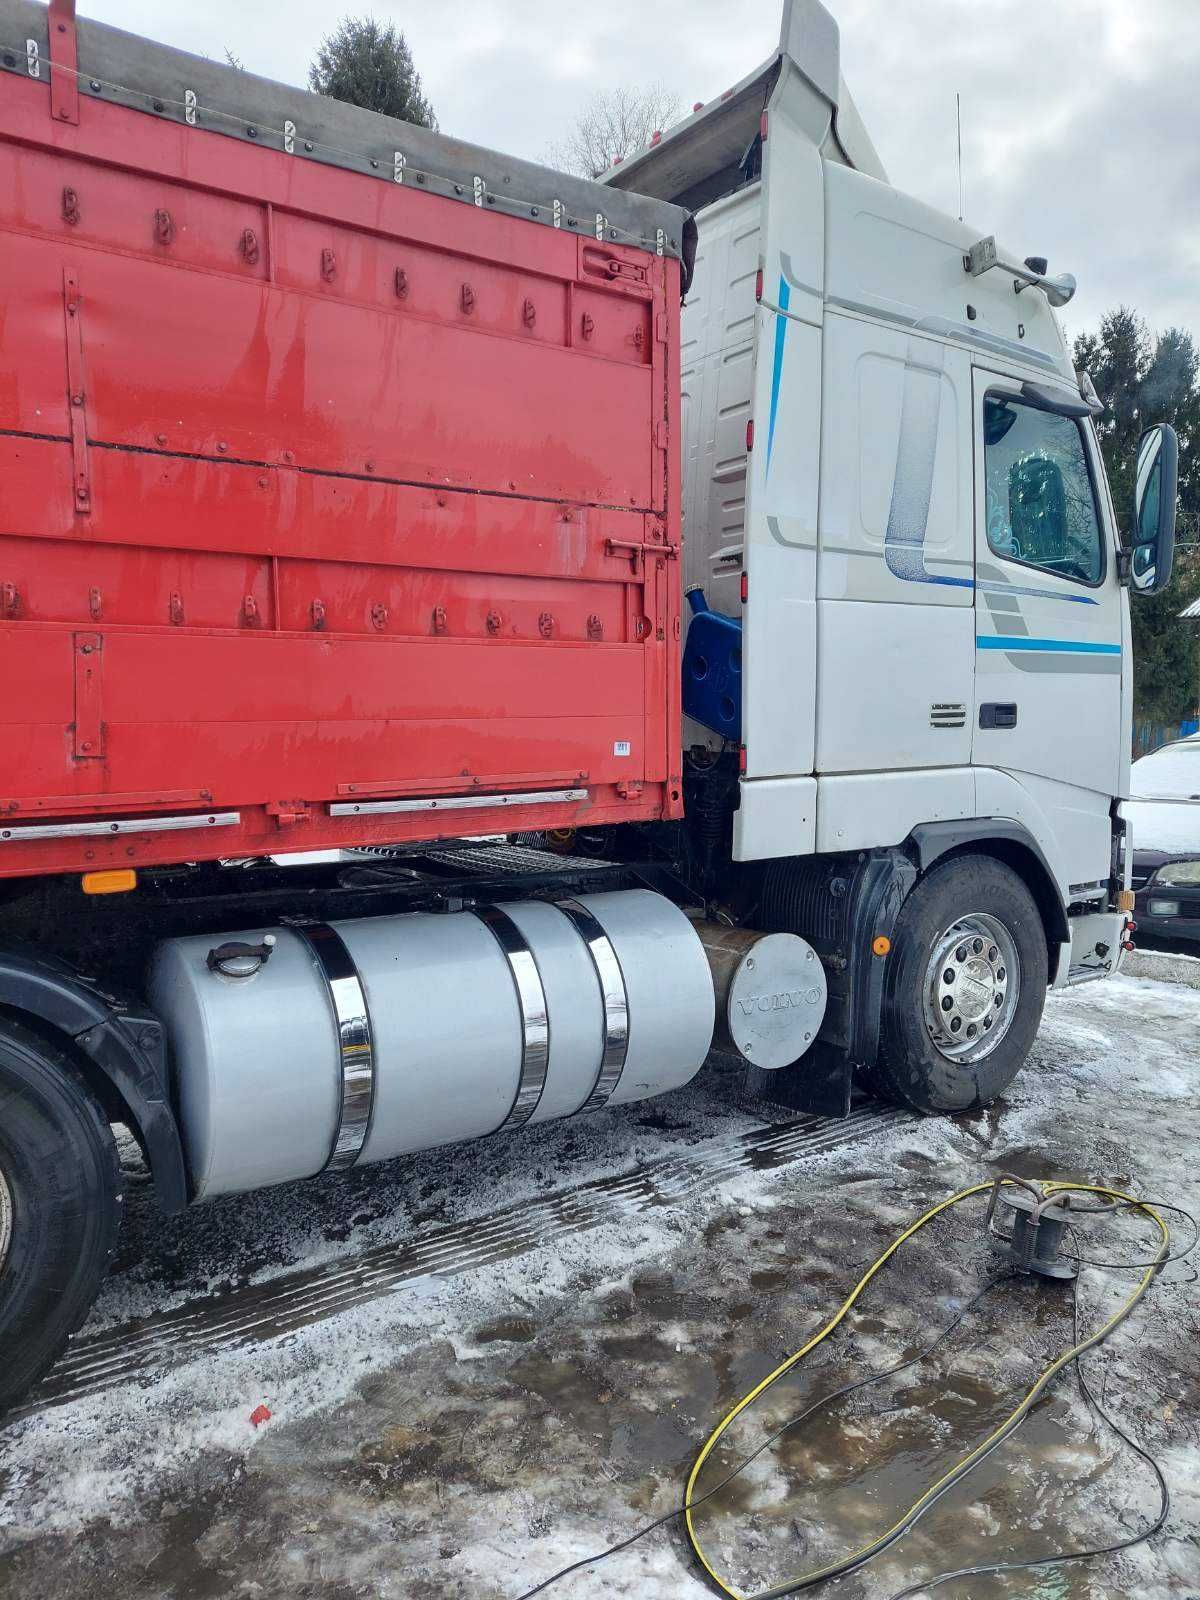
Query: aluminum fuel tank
(298, 1049)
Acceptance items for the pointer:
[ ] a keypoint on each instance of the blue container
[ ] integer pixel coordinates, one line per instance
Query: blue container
(712, 669)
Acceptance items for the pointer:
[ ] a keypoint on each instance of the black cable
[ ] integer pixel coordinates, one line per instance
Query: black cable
(792, 1422)
(1069, 1555)
(967, 1466)
(1180, 1255)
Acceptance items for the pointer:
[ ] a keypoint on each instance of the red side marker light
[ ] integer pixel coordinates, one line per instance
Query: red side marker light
(745, 587)
(758, 284)
(762, 127)
(742, 759)
(699, 106)
(750, 434)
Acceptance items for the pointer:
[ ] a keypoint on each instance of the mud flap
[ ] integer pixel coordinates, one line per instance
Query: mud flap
(842, 905)
(818, 1083)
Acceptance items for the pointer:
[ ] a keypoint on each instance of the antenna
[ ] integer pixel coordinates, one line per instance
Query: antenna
(958, 120)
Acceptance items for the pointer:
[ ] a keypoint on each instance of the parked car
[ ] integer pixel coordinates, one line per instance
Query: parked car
(1164, 820)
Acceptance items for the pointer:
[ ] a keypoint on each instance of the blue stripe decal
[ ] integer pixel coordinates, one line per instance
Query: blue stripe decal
(1079, 647)
(781, 323)
(955, 583)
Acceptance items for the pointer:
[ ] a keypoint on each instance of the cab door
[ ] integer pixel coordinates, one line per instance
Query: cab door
(1048, 634)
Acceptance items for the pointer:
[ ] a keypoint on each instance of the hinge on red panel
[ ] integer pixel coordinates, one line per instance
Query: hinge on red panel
(175, 609)
(439, 619)
(76, 393)
(629, 789)
(328, 265)
(10, 601)
(249, 247)
(250, 616)
(595, 628)
(317, 611)
(287, 812)
(70, 205)
(95, 604)
(88, 728)
(64, 62)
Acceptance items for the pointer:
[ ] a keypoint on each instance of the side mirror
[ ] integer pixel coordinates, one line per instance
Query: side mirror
(1154, 509)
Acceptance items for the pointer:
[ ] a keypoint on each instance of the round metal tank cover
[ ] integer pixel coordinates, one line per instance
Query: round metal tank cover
(777, 1000)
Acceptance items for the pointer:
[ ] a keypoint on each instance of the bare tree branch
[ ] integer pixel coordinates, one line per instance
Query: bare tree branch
(613, 124)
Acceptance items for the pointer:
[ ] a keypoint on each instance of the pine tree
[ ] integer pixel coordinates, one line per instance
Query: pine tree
(1142, 380)
(368, 63)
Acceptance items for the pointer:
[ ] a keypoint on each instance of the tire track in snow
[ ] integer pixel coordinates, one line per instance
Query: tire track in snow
(262, 1312)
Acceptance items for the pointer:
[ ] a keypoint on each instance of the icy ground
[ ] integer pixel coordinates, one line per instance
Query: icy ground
(465, 1436)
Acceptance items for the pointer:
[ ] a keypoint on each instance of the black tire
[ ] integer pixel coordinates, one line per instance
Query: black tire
(62, 1183)
(911, 1068)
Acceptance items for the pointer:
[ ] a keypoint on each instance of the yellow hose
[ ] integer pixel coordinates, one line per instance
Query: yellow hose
(804, 1579)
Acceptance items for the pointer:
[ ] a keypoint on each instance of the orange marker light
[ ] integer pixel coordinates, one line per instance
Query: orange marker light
(119, 881)
(882, 945)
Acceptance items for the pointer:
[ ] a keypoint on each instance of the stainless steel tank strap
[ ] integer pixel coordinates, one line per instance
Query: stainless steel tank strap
(355, 1047)
(615, 997)
(535, 1015)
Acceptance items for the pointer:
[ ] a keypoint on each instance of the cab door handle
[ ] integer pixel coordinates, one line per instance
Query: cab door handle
(998, 714)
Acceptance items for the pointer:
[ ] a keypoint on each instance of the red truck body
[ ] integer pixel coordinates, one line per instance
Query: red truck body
(317, 491)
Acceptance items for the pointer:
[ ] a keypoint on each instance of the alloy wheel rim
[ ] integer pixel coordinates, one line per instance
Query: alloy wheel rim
(972, 986)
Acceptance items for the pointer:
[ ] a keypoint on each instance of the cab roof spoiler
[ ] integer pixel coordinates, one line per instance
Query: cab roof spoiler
(700, 158)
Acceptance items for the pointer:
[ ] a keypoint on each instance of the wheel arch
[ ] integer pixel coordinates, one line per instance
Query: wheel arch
(1013, 846)
(120, 1052)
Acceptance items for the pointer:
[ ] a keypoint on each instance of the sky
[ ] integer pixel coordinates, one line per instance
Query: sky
(1081, 118)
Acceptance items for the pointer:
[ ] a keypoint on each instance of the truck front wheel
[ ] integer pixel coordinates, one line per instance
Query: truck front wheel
(60, 1205)
(965, 989)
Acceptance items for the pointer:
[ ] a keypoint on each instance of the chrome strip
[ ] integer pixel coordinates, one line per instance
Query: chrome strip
(615, 996)
(356, 1050)
(535, 1017)
(99, 830)
(455, 802)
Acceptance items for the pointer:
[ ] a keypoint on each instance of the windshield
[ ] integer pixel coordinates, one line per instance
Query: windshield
(1172, 773)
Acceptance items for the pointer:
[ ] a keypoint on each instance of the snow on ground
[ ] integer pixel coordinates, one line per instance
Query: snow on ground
(469, 1435)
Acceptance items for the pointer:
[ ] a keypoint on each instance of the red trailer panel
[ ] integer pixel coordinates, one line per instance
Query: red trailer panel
(318, 491)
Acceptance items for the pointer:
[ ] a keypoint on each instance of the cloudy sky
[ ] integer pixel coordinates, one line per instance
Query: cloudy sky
(1081, 118)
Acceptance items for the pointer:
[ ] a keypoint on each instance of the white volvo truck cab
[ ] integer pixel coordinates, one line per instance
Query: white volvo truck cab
(907, 687)
(893, 481)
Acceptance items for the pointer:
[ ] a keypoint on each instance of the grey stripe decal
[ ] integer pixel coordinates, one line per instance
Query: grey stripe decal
(356, 1051)
(916, 455)
(1091, 666)
(789, 272)
(806, 541)
(941, 327)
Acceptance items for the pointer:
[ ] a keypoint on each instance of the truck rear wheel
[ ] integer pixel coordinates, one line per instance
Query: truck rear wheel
(60, 1205)
(965, 990)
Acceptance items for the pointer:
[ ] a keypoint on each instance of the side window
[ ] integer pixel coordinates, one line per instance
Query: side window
(1041, 507)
